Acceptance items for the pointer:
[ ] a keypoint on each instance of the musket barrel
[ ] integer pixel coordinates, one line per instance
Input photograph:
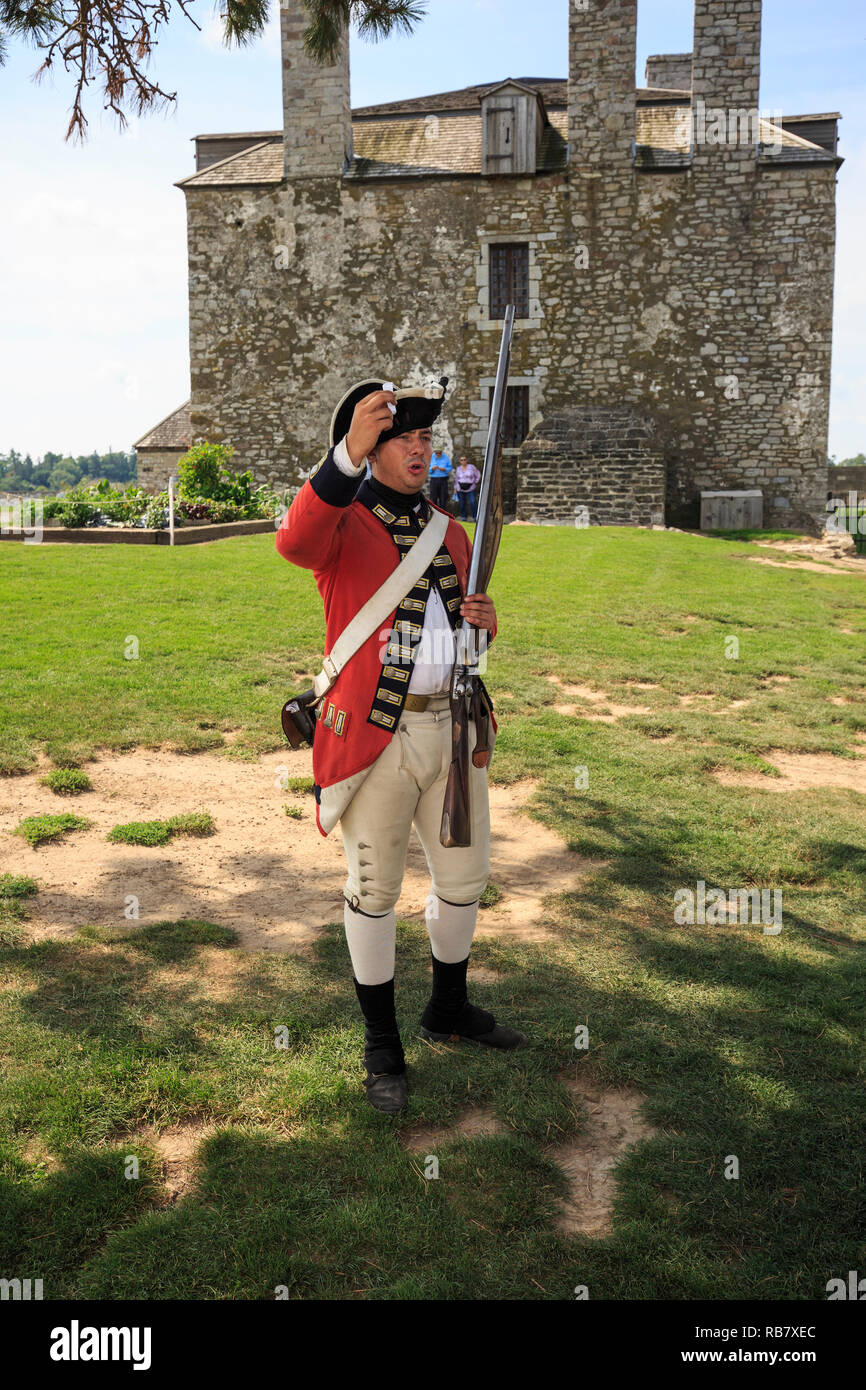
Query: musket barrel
(467, 650)
(494, 434)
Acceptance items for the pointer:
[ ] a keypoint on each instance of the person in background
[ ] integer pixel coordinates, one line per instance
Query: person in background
(466, 481)
(440, 471)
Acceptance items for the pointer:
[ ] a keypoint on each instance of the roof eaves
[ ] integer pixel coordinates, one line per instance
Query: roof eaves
(819, 116)
(240, 135)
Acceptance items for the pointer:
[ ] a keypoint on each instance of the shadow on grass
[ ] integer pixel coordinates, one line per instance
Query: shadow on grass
(740, 1050)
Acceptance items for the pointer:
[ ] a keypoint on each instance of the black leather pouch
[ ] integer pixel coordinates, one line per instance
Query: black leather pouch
(299, 719)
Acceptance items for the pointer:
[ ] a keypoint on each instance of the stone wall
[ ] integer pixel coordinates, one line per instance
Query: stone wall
(841, 481)
(597, 466)
(155, 466)
(702, 295)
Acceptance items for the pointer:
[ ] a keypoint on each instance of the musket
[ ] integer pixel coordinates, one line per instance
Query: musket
(468, 697)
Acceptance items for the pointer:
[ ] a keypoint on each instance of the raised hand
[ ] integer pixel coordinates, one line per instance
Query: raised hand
(370, 418)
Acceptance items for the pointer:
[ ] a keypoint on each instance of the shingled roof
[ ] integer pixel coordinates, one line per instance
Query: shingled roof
(399, 139)
(554, 92)
(174, 432)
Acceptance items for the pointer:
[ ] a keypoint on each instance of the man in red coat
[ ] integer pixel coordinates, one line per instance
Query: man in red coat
(382, 745)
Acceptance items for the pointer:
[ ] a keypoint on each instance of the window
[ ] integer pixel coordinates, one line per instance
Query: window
(515, 426)
(509, 279)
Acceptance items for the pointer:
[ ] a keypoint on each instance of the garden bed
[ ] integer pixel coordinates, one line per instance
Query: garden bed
(191, 533)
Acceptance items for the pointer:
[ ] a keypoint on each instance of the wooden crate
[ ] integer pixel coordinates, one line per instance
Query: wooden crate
(732, 511)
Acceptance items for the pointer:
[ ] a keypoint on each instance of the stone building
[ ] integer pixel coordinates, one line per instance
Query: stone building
(671, 256)
(158, 451)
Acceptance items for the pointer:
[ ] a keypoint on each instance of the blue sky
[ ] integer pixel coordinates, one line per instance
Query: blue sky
(93, 238)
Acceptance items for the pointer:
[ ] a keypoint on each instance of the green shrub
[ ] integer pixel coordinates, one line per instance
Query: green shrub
(225, 511)
(76, 513)
(156, 516)
(38, 829)
(88, 502)
(200, 471)
(66, 781)
(208, 491)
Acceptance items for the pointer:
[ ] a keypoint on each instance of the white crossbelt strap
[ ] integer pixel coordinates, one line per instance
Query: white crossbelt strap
(383, 602)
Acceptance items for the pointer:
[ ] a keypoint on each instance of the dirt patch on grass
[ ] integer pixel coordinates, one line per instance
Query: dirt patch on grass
(829, 565)
(611, 709)
(482, 975)
(427, 1139)
(274, 880)
(177, 1149)
(35, 1152)
(836, 550)
(801, 772)
(613, 1123)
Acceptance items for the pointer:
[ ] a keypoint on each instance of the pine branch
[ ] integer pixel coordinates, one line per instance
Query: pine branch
(375, 20)
(109, 43)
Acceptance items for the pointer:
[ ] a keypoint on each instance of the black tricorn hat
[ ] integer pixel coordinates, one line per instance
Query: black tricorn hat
(417, 408)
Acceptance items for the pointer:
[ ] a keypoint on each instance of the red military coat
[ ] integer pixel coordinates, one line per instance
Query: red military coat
(351, 553)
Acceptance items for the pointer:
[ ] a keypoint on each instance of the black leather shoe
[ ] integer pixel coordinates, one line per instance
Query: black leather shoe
(473, 1025)
(504, 1038)
(387, 1092)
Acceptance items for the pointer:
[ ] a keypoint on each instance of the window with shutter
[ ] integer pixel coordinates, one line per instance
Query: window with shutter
(515, 426)
(509, 279)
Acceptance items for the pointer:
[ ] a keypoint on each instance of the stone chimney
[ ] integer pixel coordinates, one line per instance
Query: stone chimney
(726, 63)
(602, 38)
(672, 70)
(317, 116)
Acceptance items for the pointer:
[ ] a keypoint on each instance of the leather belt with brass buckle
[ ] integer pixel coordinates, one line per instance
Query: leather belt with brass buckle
(420, 702)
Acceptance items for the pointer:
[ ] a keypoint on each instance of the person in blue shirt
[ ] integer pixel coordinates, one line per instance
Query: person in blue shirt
(440, 471)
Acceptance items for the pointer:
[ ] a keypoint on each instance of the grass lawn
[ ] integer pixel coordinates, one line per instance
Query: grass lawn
(743, 1044)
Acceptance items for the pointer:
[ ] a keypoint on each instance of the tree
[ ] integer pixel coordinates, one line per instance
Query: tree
(64, 474)
(111, 42)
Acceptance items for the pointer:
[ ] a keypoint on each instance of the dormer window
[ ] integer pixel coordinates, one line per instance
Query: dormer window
(512, 121)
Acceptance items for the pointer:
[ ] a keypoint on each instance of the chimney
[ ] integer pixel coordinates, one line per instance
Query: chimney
(317, 116)
(671, 70)
(602, 39)
(726, 63)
